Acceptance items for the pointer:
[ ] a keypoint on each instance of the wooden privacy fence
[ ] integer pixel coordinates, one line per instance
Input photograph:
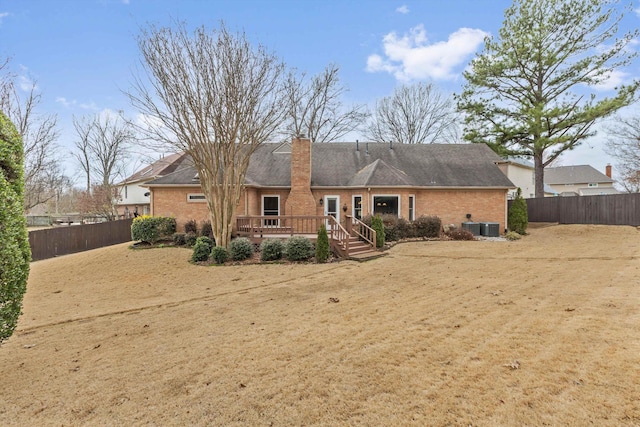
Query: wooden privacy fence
(51, 242)
(613, 209)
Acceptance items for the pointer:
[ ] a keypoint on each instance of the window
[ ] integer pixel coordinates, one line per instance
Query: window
(126, 187)
(593, 184)
(357, 207)
(270, 207)
(196, 198)
(412, 203)
(386, 205)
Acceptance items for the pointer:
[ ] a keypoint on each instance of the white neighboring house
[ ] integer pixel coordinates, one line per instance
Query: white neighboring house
(522, 173)
(581, 180)
(133, 198)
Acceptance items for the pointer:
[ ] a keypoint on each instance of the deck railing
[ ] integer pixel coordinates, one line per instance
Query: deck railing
(262, 227)
(355, 227)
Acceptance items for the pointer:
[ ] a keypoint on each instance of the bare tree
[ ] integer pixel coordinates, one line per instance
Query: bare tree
(623, 144)
(39, 134)
(315, 108)
(414, 114)
(215, 97)
(102, 152)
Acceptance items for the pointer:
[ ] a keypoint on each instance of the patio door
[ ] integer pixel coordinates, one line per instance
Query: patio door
(332, 207)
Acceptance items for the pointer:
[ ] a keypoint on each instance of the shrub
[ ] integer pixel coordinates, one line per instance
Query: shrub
(219, 254)
(166, 226)
(206, 229)
(390, 223)
(378, 226)
(404, 229)
(179, 239)
(202, 249)
(15, 253)
(145, 229)
(191, 226)
(150, 229)
(322, 245)
(518, 218)
(240, 249)
(427, 226)
(190, 239)
(298, 248)
(271, 249)
(461, 234)
(512, 235)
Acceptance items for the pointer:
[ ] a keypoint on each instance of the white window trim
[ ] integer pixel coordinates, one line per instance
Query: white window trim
(262, 207)
(373, 197)
(353, 204)
(414, 207)
(196, 198)
(326, 206)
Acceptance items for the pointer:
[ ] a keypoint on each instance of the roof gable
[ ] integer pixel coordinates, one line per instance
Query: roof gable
(580, 174)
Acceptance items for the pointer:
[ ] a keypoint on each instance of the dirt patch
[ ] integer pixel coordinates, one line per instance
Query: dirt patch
(541, 331)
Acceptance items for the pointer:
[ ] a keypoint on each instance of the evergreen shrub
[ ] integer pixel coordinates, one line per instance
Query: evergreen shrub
(240, 249)
(298, 248)
(271, 249)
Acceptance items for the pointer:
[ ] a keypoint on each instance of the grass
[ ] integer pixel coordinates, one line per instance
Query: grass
(541, 331)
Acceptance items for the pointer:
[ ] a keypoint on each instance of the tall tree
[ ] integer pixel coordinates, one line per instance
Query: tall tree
(39, 134)
(528, 94)
(15, 253)
(215, 97)
(102, 149)
(623, 143)
(414, 114)
(315, 108)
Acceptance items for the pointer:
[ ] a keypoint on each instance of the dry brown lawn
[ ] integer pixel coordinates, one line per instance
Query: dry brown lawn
(542, 331)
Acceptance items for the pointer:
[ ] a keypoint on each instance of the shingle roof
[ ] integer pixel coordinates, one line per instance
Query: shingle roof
(373, 164)
(162, 167)
(580, 174)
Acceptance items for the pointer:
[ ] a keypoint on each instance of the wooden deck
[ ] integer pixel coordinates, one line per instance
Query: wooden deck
(345, 242)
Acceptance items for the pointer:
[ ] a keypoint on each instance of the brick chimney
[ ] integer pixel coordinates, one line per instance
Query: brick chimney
(608, 171)
(300, 200)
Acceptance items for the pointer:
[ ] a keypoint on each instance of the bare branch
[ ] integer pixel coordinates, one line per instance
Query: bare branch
(414, 114)
(215, 97)
(315, 108)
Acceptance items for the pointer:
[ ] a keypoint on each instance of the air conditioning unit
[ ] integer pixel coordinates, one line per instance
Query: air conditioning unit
(490, 229)
(473, 227)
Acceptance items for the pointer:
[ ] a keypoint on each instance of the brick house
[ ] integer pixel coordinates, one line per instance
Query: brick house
(352, 180)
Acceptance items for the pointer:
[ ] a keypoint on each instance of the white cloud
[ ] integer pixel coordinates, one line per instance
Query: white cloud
(26, 84)
(125, 1)
(615, 79)
(403, 9)
(3, 15)
(89, 106)
(637, 11)
(65, 102)
(412, 57)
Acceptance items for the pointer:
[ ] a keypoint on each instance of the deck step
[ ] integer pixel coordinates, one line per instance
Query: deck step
(366, 256)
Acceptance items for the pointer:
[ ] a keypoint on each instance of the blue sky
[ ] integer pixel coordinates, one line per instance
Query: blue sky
(82, 53)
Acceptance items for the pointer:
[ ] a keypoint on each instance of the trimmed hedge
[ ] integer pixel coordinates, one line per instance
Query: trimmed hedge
(298, 248)
(202, 249)
(15, 253)
(271, 249)
(150, 229)
(240, 249)
(219, 254)
(518, 218)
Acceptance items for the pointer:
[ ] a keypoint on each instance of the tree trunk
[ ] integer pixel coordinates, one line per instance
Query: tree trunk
(539, 174)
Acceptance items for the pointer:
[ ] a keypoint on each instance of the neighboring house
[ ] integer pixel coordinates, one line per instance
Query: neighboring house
(582, 180)
(133, 198)
(452, 182)
(522, 173)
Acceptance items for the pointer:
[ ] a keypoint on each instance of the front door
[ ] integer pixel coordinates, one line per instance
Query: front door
(331, 207)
